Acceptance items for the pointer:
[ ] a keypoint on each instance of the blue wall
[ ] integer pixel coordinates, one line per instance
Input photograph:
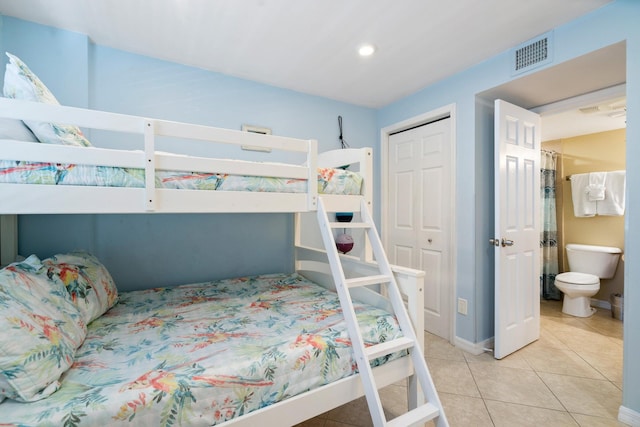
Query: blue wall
(60, 58)
(83, 74)
(474, 166)
(152, 250)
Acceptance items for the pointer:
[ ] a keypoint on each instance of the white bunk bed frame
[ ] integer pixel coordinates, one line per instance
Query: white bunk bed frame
(17, 199)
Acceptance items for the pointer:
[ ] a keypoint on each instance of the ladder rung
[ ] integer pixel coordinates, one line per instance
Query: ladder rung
(388, 347)
(422, 413)
(367, 280)
(349, 225)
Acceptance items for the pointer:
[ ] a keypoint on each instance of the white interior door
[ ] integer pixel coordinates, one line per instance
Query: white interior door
(419, 223)
(517, 228)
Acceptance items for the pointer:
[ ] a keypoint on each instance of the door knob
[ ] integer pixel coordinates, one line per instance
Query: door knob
(494, 242)
(506, 242)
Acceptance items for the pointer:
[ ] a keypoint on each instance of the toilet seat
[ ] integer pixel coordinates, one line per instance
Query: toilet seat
(575, 278)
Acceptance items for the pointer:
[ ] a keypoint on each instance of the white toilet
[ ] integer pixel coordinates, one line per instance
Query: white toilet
(587, 265)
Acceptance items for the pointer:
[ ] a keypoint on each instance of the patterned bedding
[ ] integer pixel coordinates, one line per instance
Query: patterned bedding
(21, 83)
(203, 354)
(330, 181)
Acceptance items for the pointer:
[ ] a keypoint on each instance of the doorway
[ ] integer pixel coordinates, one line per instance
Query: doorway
(587, 134)
(590, 73)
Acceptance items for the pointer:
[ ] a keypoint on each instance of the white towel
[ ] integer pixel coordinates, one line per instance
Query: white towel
(582, 206)
(596, 188)
(614, 197)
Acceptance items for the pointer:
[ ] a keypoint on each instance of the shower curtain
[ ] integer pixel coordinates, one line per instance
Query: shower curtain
(549, 231)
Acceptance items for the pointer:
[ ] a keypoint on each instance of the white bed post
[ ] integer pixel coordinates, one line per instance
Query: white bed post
(366, 170)
(150, 166)
(312, 163)
(8, 239)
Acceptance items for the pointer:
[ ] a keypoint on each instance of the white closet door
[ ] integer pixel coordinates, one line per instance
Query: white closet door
(419, 225)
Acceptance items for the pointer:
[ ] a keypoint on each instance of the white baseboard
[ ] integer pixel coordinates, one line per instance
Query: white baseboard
(606, 305)
(629, 416)
(474, 348)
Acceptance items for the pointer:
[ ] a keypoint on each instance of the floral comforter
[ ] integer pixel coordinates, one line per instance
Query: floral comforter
(330, 181)
(203, 354)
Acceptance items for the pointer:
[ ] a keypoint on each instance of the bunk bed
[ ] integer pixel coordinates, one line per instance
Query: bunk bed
(185, 384)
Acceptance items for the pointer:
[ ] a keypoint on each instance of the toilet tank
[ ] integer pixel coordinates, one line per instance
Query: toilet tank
(599, 260)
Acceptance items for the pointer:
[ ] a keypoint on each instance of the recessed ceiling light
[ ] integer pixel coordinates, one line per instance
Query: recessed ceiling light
(366, 50)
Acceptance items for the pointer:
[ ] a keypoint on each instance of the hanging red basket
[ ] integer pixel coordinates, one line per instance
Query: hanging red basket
(344, 243)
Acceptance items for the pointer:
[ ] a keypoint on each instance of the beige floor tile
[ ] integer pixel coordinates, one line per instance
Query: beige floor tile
(436, 347)
(571, 376)
(511, 414)
(550, 308)
(609, 365)
(513, 385)
(464, 411)
(605, 324)
(611, 330)
(331, 423)
(514, 360)
(586, 396)
(589, 340)
(394, 400)
(450, 376)
(313, 422)
(566, 324)
(589, 421)
(354, 413)
(548, 339)
(617, 342)
(559, 361)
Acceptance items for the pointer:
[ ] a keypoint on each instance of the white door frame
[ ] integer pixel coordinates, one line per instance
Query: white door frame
(422, 119)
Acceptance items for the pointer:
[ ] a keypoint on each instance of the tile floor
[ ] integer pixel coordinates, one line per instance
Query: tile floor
(571, 376)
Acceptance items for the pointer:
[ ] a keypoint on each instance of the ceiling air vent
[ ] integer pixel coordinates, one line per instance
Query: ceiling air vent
(531, 54)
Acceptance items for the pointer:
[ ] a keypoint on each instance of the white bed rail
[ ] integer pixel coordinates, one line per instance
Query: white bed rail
(146, 157)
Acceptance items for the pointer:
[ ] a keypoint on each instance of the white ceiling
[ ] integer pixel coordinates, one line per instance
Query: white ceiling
(586, 118)
(310, 46)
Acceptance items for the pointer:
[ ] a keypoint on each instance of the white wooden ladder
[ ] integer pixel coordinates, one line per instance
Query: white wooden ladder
(432, 410)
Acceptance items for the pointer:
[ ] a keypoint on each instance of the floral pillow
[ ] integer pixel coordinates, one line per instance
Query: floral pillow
(21, 83)
(41, 330)
(88, 282)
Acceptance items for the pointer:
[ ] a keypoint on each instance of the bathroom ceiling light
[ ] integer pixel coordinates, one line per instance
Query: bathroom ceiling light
(366, 50)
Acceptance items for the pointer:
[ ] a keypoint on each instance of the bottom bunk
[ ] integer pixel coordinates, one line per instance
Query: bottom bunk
(271, 349)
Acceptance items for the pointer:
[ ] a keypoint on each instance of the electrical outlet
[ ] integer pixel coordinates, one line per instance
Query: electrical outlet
(462, 306)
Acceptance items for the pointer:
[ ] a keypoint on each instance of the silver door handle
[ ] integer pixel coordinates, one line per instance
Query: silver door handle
(506, 242)
(494, 242)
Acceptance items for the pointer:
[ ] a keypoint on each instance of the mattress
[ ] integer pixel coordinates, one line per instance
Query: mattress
(205, 353)
(330, 181)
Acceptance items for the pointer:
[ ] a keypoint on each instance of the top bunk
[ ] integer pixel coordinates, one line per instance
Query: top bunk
(42, 175)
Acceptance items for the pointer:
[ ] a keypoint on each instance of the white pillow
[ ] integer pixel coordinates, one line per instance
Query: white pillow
(16, 130)
(21, 83)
